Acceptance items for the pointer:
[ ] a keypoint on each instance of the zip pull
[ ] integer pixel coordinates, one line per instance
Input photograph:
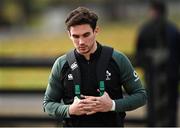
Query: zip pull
(77, 91)
(101, 88)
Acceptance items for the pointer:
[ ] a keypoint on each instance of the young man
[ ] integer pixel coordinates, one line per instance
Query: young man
(91, 86)
(158, 45)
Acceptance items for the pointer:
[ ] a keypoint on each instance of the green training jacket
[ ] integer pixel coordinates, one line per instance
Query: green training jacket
(136, 97)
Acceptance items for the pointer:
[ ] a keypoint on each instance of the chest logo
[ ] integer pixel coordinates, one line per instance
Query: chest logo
(108, 74)
(136, 76)
(74, 66)
(70, 77)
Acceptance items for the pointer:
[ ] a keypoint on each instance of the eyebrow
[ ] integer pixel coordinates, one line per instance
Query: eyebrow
(86, 33)
(82, 34)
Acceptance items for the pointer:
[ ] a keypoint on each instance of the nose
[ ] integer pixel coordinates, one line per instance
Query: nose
(81, 41)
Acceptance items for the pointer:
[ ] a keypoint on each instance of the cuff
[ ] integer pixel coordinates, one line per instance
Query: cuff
(113, 106)
(67, 114)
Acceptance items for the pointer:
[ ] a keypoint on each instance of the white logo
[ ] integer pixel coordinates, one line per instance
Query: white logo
(74, 66)
(108, 74)
(70, 77)
(136, 76)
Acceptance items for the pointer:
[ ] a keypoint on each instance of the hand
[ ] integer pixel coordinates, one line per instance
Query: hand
(77, 107)
(98, 104)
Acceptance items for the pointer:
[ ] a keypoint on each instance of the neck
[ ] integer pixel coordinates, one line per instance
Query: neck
(93, 49)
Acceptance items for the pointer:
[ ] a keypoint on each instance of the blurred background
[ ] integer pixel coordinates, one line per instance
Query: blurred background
(33, 35)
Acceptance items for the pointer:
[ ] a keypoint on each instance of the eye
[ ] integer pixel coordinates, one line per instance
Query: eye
(86, 34)
(75, 36)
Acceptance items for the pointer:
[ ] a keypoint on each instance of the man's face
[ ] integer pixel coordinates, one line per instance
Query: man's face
(153, 14)
(83, 38)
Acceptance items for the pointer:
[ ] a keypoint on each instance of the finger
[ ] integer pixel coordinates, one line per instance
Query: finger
(89, 102)
(87, 107)
(93, 98)
(88, 96)
(105, 94)
(81, 105)
(98, 110)
(91, 112)
(83, 111)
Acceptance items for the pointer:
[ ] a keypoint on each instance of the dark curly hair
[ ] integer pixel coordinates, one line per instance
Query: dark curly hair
(81, 15)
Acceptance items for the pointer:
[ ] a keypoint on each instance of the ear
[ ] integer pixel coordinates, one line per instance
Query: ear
(96, 30)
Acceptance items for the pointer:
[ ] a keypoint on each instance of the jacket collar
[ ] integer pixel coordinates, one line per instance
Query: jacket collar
(93, 56)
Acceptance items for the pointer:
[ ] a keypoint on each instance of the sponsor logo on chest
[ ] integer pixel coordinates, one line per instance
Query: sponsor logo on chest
(70, 77)
(108, 76)
(74, 66)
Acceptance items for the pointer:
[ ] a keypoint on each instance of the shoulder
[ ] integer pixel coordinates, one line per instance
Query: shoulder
(59, 63)
(173, 27)
(61, 60)
(126, 69)
(121, 59)
(119, 56)
(146, 26)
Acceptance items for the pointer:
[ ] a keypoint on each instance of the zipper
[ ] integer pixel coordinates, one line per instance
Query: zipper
(88, 68)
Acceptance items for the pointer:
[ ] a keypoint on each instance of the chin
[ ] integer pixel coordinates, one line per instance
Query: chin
(83, 51)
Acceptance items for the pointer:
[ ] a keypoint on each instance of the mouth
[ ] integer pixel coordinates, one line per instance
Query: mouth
(82, 48)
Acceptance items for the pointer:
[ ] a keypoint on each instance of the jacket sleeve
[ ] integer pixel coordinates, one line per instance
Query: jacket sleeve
(52, 100)
(131, 83)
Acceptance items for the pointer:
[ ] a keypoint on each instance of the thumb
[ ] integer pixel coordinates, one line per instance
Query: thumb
(76, 99)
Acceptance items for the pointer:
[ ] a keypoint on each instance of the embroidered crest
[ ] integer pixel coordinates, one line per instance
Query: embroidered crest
(70, 77)
(108, 74)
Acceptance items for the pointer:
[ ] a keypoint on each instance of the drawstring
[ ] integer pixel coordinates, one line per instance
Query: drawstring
(101, 88)
(77, 91)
